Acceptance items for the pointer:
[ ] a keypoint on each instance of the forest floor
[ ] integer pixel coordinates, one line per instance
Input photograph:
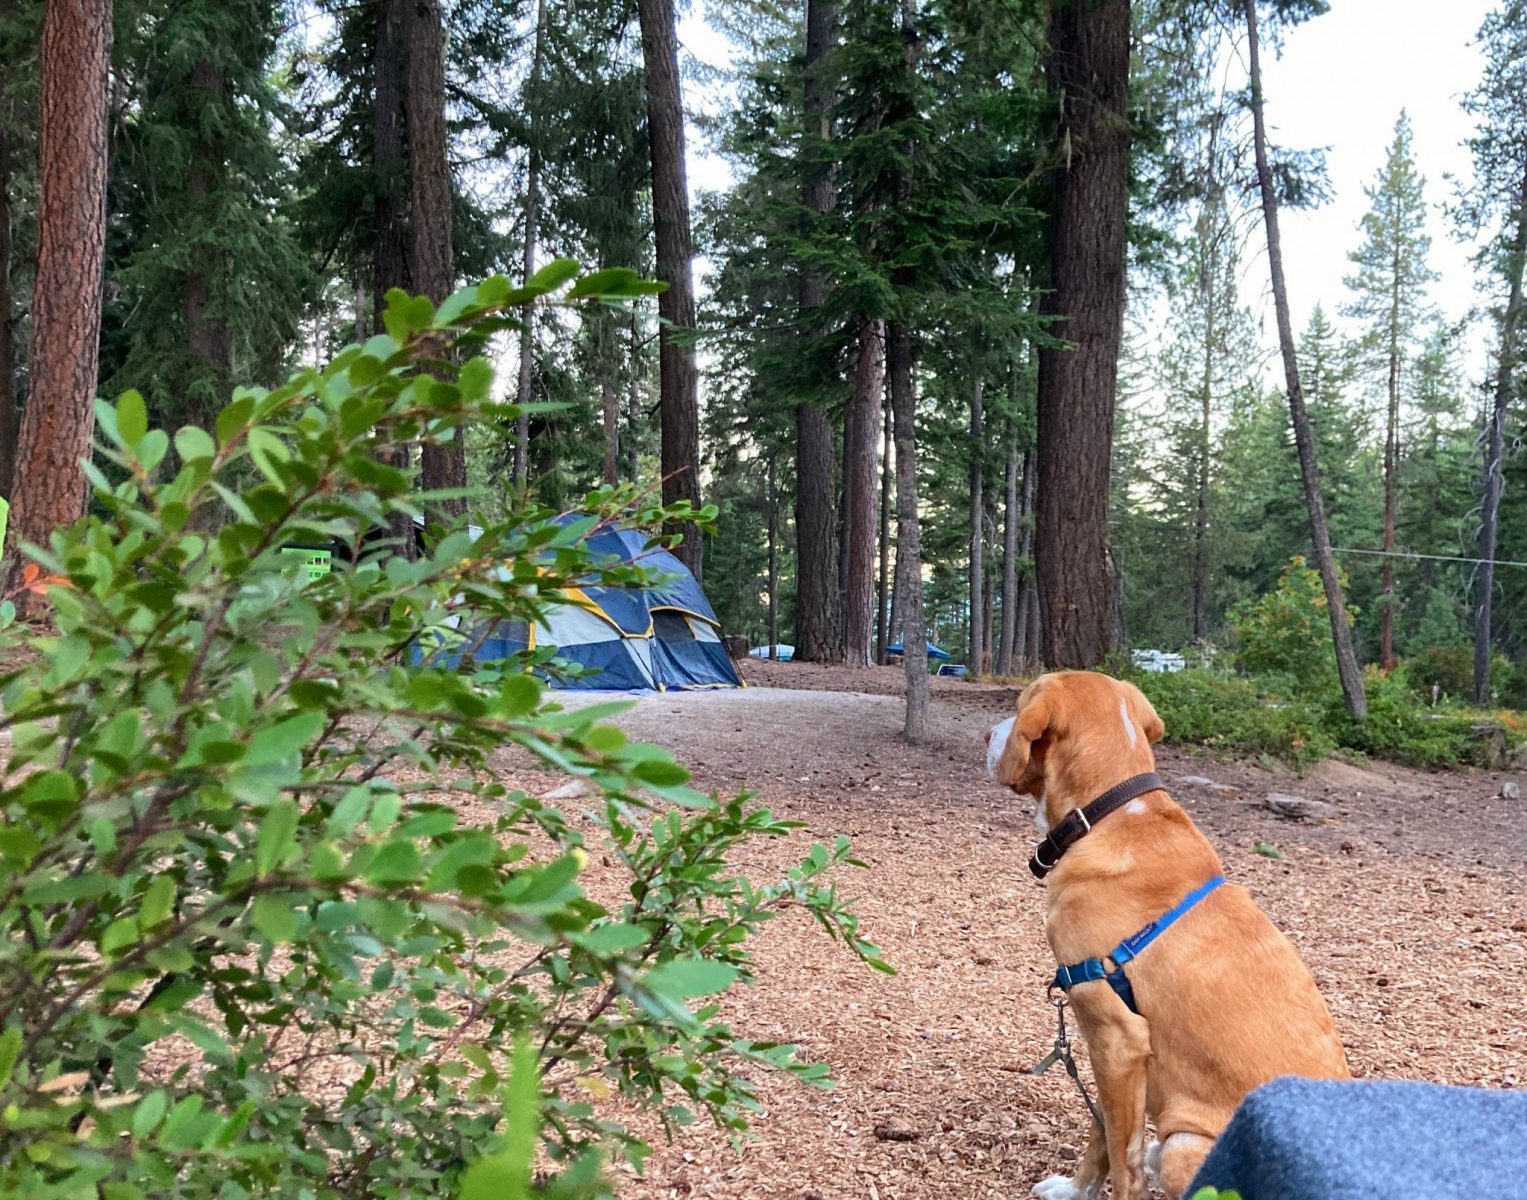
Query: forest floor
(1408, 906)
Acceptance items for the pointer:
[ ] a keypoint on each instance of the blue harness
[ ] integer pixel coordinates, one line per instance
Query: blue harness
(1091, 969)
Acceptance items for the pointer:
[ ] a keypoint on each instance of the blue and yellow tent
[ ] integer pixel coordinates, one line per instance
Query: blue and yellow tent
(664, 637)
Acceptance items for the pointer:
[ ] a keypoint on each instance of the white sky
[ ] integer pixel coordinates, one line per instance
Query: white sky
(1339, 83)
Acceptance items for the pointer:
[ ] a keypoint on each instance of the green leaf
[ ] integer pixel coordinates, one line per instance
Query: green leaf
(553, 275)
(506, 1174)
(1267, 850)
(158, 902)
(660, 773)
(275, 836)
(612, 939)
(132, 418)
(10, 1047)
(233, 418)
(150, 1112)
(283, 742)
(119, 935)
(682, 978)
(274, 918)
(193, 443)
(519, 694)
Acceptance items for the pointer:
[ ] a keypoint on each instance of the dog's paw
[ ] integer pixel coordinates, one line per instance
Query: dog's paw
(1060, 1187)
(1153, 1162)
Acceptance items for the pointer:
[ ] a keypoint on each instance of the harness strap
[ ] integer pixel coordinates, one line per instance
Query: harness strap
(1079, 821)
(1111, 966)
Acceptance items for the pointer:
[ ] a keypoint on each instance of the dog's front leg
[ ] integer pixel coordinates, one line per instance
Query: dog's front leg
(1121, 1047)
(1087, 1183)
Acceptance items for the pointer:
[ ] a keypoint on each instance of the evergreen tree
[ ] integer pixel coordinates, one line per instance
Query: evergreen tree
(1389, 299)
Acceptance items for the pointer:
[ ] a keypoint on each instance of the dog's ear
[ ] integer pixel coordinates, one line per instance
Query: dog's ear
(1037, 711)
(1145, 712)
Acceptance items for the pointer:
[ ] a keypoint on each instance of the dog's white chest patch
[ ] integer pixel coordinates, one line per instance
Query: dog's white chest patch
(1135, 806)
(996, 742)
(1129, 726)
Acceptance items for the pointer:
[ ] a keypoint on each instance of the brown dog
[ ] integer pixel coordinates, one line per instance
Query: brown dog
(1223, 1002)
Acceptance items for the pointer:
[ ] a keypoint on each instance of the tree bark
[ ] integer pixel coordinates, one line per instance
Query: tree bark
(678, 404)
(909, 559)
(1009, 602)
(1391, 473)
(1341, 634)
(1200, 619)
(633, 399)
(207, 333)
(7, 328)
(1088, 72)
(773, 563)
(977, 540)
(883, 586)
(1028, 598)
(1495, 452)
(859, 497)
(532, 229)
(388, 202)
(64, 357)
(610, 408)
(819, 630)
(431, 260)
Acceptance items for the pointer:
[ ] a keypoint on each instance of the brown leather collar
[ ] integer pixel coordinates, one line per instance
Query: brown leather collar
(1079, 821)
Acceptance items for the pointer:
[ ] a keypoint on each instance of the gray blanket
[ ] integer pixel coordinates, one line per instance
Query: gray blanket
(1301, 1139)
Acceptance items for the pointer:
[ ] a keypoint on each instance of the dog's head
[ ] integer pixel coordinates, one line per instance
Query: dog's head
(1076, 734)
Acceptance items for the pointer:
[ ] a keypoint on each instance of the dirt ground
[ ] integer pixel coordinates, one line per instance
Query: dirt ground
(1407, 906)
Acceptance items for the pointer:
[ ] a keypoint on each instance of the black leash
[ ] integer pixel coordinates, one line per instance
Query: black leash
(1062, 1054)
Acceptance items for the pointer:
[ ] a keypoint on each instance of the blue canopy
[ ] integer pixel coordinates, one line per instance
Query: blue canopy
(933, 651)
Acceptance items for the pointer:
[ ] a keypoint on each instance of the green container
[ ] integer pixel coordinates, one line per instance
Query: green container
(318, 561)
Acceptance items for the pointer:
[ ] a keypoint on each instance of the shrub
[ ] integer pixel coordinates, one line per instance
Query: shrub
(272, 926)
(1228, 715)
(1400, 728)
(1288, 632)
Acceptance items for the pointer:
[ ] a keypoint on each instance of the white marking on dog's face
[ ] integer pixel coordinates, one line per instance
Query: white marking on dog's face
(1129, 726)
(1062, 1187)
(996, 742)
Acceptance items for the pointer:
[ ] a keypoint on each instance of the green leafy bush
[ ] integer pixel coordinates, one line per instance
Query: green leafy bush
(272, 924)
(1229, 715)
(1400, 728)
(1287, 632)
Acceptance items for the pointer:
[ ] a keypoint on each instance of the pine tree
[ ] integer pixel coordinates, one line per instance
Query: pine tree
(59, 418)
(1496, 202)
(1389, 298)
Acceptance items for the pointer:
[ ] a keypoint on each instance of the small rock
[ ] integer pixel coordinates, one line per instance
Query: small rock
(895, 1131)
(1200, 781)
(1510, 791)
(1297, 808)
(573, 789)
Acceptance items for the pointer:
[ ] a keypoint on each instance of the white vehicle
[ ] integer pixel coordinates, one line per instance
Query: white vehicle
(1159, 662)
(786, 653)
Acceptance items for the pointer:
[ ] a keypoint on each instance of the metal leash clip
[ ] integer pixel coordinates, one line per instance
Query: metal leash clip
(1061, 1053)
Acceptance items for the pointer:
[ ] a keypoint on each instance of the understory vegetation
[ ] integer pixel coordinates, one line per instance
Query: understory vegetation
(276, 928)
(1275, 694)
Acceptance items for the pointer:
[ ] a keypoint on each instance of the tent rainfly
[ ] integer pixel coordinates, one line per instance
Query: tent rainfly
(663, 637)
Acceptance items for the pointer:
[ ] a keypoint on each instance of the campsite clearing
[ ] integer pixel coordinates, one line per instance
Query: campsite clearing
(1408, 907)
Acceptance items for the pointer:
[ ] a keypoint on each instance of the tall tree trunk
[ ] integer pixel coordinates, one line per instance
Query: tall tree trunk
(1088, 72)
(431, 261)
(679, 406)
(1028, 597)
(62, 364)
(1200, 621)
(1494, 480)
(633, 399)
(610, 407)
(1391, 471)
(773, 563)
(207, 334)
(388, 158)
(818, 618)
(532, 229)
(909, 558)
(859, 496)
(977, 538)
(7, 328)
(1009, 603)
(1341, 632)
(883, 587)
(388, 203)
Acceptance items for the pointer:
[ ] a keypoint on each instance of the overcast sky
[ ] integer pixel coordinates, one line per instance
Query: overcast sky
(1339, 83)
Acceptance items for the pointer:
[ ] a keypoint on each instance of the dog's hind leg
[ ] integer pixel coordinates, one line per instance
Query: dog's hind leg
(1087, 1183)
(1181, 1156)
